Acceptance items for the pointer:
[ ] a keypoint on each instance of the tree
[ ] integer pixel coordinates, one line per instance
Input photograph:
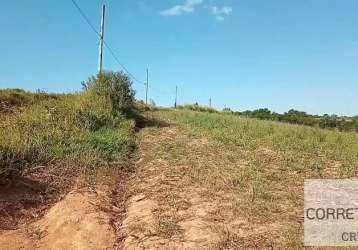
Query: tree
(116, 87)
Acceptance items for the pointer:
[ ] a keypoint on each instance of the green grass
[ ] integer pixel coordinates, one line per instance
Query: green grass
(196, 107)
(12, 100)
(76, 129)
(261, 166)
(314, 148)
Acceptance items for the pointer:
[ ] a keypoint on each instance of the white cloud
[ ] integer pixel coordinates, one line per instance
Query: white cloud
(220, 13)
(177, 10)
(219, 18)
(226, 10)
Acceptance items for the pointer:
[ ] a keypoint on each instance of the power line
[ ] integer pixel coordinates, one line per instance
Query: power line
(146, 90)
(101, 39)
(161, 91)
(84, 16)
(121, 64)
(176, 96)
(113, 54)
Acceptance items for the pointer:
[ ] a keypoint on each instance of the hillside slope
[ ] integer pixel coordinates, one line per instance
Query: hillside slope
(64, 159)
(202, 180)
(223, 182)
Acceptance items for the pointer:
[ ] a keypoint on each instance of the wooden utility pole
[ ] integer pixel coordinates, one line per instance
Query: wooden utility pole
(146, 90)
(100, 56)
(176, 96)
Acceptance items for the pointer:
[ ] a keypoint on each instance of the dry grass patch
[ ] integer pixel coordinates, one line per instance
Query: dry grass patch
(255, 171)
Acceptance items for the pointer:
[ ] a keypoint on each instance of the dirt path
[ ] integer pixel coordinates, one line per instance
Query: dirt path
(185, 195)
(179, 198)
(76, 222)
(167, 210)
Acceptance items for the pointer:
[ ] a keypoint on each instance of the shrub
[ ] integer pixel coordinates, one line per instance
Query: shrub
(85, 129)
(197, 107)
(342, 123)
(115, 87)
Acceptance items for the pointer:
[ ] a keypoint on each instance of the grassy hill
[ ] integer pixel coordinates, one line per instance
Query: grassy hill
(317, 146)
(203, 179)
(265, 170)
(74, 129)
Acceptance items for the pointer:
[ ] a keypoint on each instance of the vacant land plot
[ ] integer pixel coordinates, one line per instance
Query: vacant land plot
(238, 181)
(202, 181)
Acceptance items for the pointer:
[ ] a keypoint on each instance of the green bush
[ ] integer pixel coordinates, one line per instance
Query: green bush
(115, 87)
(197, 107)
(340, 123)
(85, 129)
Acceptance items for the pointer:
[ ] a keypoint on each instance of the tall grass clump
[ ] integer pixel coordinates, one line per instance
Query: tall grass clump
(197, 107)
(84, 130)
(14, 100)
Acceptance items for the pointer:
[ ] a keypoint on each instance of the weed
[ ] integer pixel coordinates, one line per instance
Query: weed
(86, 129)
(166, 227)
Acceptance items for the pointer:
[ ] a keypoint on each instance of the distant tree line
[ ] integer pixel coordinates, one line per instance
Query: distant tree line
(341, 123)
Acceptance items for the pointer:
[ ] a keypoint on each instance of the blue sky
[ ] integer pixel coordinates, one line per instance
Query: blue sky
(244, 54)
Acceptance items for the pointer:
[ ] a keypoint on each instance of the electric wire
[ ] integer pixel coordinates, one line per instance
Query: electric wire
(113, 54)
